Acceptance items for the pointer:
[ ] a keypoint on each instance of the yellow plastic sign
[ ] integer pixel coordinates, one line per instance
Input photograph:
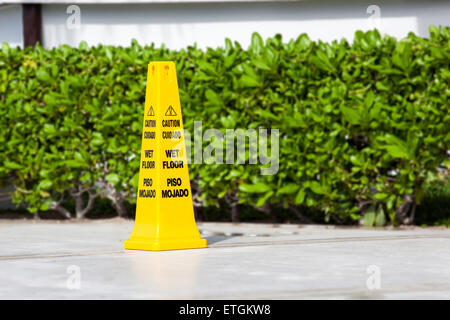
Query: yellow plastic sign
(164, 213)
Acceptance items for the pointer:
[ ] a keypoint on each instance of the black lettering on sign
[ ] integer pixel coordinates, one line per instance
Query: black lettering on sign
(150, 123)
(149, 135)
(172, 153)
(148, 164)
(172, 164)
(151, 193)
(148, 182)
(171, 123)
(148, 153)
(177, 193)
(173, 182)
(171, 134)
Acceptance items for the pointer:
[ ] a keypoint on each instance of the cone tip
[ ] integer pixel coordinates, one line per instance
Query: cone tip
(161, 63)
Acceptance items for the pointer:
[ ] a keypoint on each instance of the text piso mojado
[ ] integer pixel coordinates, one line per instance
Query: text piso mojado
(227, 309)
(221, 147)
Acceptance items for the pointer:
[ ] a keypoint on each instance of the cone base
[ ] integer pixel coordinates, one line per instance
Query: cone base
(162, 245)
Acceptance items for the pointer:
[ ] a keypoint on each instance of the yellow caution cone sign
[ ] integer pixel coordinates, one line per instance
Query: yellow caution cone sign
(164, 213)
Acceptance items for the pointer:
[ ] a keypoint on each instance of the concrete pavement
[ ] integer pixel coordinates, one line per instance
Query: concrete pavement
(86, 260)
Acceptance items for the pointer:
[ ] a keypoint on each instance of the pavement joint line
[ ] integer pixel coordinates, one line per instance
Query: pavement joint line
(329, 240)
(58, 255)
(333, 292)
(231, 245)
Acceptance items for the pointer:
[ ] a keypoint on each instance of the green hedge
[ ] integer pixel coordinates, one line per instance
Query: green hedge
(361, 125)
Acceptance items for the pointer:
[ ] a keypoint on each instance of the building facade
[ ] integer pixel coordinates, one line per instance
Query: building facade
(180, 23)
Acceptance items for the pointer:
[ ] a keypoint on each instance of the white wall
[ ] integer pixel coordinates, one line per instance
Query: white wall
(181, 24)
(11, 25)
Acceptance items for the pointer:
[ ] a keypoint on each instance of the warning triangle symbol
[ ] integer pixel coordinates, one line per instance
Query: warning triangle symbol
(150, 111)
(170, 112)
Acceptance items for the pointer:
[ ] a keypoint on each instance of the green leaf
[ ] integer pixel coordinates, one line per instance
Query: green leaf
(369, 216)
(5, 48)
(300, 197)
(380, 219)
(380, 196)
(260, 64)
(257, 43)
(135, 180)
(396, 147)
(213, 97)
(44, 206)
(261, 201)
(97, 139)
(267, 114)
(288, 189)
(108, 54)
(370, 97)
(11, 165)
(397, 151)
(49, 129)
(83, 46)
(351, 115)
(433, 31)
(255, 188)
(247, 81)
(43, 76)
(45, 184)
(322, 61)
(316, 187)
(402, 56)
(74, 163)
(114, 178)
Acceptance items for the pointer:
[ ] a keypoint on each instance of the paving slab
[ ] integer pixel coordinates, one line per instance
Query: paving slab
(86, 260)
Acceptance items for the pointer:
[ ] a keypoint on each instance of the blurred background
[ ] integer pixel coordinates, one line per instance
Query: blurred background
(359, 91)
